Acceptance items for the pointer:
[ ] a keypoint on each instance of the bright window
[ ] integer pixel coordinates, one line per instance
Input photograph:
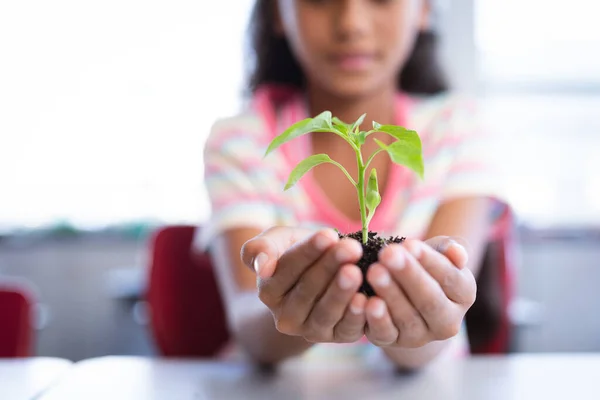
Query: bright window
(540, 69)
(104, 106)
(539, 42)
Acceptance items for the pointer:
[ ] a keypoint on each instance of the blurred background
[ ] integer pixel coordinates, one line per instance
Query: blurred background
(105, 106)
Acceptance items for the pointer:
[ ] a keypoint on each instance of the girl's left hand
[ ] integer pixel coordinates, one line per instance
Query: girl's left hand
(423, 293)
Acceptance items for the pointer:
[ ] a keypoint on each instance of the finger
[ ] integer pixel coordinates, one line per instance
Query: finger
(329, 310)
(352, 326)
(270, 245)
(450, 247)
(413, 331)
(301, 257)
(312, 284)
(380, 330)
(422, 290)
(264, 252)
(458, 284)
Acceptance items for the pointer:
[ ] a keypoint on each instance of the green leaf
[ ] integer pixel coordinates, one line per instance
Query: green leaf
(373, 196)
(338, 122)
(400, 133)
(306, 165)
(373, 185)
(406, 150)
(357, 123)
(340, 125)
(407, 153)
(320, 123)
(361, 137)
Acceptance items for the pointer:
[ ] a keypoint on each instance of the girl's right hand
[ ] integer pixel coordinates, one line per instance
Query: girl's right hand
(309, 281)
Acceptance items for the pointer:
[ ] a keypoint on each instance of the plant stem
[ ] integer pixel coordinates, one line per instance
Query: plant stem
(340, 166)
(379, 150)
(360, 187)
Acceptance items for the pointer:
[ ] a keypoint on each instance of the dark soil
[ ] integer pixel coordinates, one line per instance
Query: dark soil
(370, 253)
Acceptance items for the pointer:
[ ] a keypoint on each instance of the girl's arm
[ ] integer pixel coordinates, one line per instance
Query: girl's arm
(468, 220)
(307, 289)
(250, 322)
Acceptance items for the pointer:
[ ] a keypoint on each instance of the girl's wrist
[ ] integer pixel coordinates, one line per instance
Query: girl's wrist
(415, 358)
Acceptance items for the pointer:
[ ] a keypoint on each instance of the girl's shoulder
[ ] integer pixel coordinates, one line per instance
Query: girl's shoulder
(448, 107)
(258, 117)
(444, 115)
(244, 123)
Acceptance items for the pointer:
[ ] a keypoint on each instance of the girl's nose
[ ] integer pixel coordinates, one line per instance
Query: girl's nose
(352, 18)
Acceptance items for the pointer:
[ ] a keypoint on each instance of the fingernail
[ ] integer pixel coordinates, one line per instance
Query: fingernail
(446, 244)
(455, 241)
(383, 280)
(464, 251)
(378, 310)
(344, 281)
(466, 255)
(259, 262)
(396, 260)
(342, 255)
(355, 310)
(416, 249)
(321, 242)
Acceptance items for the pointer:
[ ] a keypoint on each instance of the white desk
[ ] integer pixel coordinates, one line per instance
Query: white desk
(25, 379)
(544, 377)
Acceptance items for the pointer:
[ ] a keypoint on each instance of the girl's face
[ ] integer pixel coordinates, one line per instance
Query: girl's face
(351, 48)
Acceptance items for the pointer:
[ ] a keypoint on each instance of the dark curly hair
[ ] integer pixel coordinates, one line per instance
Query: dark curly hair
(271, 60)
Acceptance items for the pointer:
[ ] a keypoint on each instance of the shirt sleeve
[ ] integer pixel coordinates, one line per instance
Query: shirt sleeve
(475, 168)
(243, 188)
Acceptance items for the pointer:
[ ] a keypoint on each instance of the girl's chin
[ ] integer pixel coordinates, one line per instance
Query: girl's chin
(352, 87)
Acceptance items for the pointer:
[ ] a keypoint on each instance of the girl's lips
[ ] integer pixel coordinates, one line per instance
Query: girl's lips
(354, 62)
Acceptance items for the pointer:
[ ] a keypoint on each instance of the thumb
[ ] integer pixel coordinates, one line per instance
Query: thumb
(450, 247)
(262, 252)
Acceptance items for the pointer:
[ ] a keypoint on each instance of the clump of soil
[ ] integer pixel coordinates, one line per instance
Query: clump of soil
(370, 253)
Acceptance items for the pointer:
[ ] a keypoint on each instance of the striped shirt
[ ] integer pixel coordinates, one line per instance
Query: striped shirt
(246, 189)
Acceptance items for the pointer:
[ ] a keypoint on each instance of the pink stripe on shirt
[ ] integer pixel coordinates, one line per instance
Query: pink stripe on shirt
(326, 211)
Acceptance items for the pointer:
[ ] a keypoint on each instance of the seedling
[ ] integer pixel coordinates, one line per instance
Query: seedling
(404, 150)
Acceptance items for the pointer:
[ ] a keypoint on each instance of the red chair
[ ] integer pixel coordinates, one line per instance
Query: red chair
(187, 318)
(186, 310)
(488, 321)
(16, 328)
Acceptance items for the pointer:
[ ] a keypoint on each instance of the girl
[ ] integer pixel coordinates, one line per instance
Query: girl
(296, 283)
